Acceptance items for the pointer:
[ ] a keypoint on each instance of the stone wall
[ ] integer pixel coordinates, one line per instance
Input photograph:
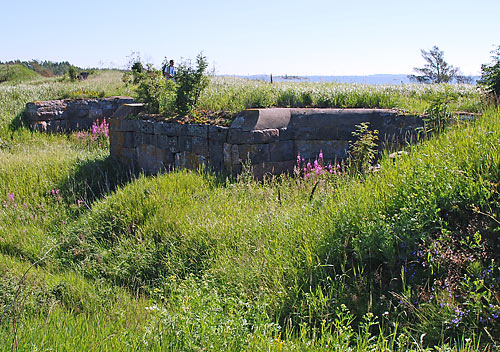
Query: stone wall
(71, 115)
(268, 139)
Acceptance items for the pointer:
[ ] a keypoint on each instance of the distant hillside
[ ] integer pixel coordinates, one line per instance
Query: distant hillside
(45, 68)
(16, 73)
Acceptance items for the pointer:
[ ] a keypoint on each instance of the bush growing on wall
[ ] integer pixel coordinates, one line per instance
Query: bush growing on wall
(172, 97)
(190, 82)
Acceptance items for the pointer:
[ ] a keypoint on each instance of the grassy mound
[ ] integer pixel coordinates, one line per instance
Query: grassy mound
(16, 73)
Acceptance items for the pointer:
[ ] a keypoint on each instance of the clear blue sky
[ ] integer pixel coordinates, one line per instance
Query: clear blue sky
(315, 37)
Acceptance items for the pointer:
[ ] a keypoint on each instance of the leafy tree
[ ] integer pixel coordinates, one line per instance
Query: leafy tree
(436, 70)
(490, 75)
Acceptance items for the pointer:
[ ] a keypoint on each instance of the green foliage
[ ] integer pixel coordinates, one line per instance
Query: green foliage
(16, 74)
(72, 73)
(191, 81)
(490, 75)
(438, 114)
(436, 70)
(363, 149)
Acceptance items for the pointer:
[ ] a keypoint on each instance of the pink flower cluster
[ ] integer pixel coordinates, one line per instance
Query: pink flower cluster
(100, 129)
(316, 169)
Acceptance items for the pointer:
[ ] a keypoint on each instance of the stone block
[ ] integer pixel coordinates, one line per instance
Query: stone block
(185, 143)
(235, 155)
(218, 133)
(146, 138)
(116, 139)
(187, 160)
(146, 126)
(150, 159)
(257, 153)
(169, 129)
(129, 140)
(173, 144)
(200, 146)
(161, 141)
(236, 136)
(332, 150)
(95, 114)
(197, 131)
(227, 154)
(128, 109)
(282, 151)
(261, 119)
(79, 124)
(114, 125)
(129, 125)
(286, 134)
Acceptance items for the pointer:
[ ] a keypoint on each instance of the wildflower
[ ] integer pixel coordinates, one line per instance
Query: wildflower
(79, 202)
(11, 196)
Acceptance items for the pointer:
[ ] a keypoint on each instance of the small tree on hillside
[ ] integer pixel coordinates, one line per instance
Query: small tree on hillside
(436, 70)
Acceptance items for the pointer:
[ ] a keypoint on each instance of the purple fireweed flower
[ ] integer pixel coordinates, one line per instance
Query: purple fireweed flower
(320, 155)
(11, 196)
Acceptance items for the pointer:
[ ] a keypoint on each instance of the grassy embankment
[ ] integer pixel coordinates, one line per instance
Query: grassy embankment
(186, 261)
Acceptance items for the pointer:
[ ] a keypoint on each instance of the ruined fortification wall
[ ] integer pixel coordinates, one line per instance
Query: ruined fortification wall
(268, 139)
(71, 115)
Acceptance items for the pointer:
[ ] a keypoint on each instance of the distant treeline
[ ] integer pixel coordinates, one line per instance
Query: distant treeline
(44, 68)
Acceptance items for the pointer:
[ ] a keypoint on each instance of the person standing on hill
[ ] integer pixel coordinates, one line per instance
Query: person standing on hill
(169, 71)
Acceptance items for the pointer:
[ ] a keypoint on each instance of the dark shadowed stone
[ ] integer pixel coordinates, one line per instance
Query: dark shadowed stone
(218, 133)
(332, 150)
(129, 125)
(151, 159)
(282, 151)
(197, 131)
(286, 134)
(162, 141)
(185, 143)
(200, 146)
(235, 155)
(236, 136)
(129, 140)
(227, 154)
(189, 160)
(216, 154)
(128, 110)
(257, 153)
(146, 126)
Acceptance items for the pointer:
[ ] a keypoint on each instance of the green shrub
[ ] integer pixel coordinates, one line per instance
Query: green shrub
(490, 75)
(191, 82)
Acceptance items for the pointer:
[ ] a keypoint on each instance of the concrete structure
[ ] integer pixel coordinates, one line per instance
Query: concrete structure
(268, 139)
(71, 115)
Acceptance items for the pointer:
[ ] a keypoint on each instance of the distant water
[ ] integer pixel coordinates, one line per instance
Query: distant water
(370, 79)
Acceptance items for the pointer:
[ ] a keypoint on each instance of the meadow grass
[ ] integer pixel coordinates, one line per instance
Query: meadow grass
(234, 95)
(401, 259)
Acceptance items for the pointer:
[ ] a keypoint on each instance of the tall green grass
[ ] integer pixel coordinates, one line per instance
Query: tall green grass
(189, 261)
(233, 94)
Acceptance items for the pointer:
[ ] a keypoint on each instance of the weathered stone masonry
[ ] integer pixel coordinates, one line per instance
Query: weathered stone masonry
(71, 115)
(268, 139)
